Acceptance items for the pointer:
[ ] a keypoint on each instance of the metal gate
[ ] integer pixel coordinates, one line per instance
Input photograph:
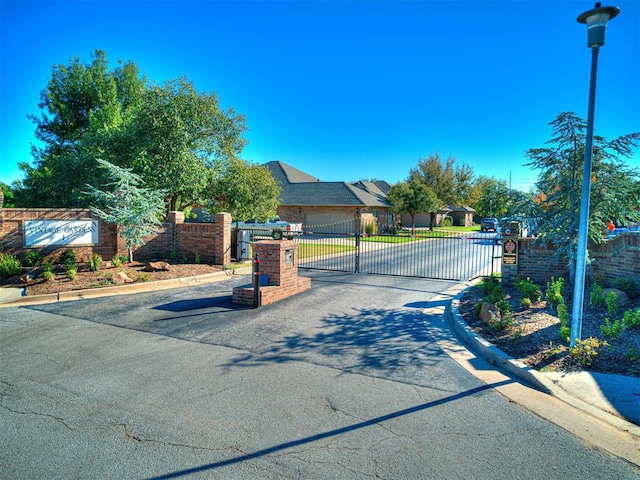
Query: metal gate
(439, 254)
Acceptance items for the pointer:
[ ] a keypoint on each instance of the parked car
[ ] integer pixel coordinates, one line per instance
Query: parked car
(489, 223)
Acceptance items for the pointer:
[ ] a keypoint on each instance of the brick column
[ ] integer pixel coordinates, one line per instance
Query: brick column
(222, 247)
(278, 260)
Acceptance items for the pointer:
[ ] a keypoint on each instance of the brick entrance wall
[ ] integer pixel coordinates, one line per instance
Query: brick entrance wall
(618, 258)
(211, 241)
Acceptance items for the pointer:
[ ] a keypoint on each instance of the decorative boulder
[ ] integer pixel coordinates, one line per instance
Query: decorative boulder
(622, 300)
(157, 267)
(489, 313)
(122, 277)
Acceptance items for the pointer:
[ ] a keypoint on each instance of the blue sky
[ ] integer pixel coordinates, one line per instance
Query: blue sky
(345, 90)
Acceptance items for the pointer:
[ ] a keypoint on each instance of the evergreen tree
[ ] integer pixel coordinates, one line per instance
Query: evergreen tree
(137, 211)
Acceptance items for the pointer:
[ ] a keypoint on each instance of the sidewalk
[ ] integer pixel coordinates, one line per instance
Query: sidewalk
(614, 399)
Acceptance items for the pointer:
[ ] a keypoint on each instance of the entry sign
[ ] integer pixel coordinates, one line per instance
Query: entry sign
(510, 251)
(42, 233)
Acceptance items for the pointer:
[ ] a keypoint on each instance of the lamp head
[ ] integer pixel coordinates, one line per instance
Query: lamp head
(596, 20)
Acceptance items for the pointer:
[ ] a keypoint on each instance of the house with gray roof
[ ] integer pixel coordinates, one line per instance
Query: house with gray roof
(319, 204)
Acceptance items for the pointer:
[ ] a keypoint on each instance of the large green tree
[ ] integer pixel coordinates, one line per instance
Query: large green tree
(614, 192)
(174, 137)
(80, 102)
(246, 191)
(412, 197)
(451, 184)
(180, 140)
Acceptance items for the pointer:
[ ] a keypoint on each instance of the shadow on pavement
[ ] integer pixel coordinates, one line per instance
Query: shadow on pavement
(331, 433)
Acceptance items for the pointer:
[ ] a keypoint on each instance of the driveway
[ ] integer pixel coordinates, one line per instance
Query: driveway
(342, 381)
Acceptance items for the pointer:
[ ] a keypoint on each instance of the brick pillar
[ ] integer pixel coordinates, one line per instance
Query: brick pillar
(278, 260)
(175, 217)
(222, 247)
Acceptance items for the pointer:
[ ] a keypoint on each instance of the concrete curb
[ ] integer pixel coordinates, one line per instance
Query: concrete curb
(124, 289)
(549, 385)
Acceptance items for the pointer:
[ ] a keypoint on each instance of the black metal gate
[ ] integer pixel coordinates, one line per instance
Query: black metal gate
(439, 254)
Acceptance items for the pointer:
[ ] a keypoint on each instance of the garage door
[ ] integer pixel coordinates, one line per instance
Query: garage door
(422, 220)
(329, 222)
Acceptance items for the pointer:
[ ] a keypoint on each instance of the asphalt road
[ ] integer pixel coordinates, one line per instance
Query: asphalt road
(343, 381)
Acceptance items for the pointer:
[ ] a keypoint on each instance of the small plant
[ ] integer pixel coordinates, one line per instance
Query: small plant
(144, 277)
(70, 272)
(631, 319)
(173, 256)
(585, 351)
(612, 303)
(628, 286)
(183, 258)
(499, 325)
(553, 294)
(596, 297)
(476, 309)
(47, 266)
(48, 276)
(525, 302)
(632, 354)
(68, 257)
(370, 228)
(612, 330)
(563, 315)
(196, 258)
(529, 289)
(95, 263)
(9, 265)
(32, 258)
(116, 260)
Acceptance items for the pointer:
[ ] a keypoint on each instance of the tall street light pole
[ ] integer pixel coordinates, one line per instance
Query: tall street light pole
(596, 20)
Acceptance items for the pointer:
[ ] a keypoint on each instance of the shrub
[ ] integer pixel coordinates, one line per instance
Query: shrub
(447, 222)
(612, 330)
(32, 258)
(529, 289)
(631, 319)
(370, 228)
(491, 284)
(10, 266)
(173, 256)
(95, 263)
(68, 257)
(628, 286)
(554, 291)
(196, 258)
(144, 277)
(48, 276)
(47, 266)
(612, 303)
(70, 271)
(116, 260)
(563, 315)
(596, 297)
(585, 351)
(526, 302)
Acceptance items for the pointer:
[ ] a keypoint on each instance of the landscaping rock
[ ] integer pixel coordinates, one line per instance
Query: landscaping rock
(489, 313)
(157, 267)
(122, 277)
(623, 299)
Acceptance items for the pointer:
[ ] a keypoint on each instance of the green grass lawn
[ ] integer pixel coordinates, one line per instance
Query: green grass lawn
(307, 250)
(473, 228)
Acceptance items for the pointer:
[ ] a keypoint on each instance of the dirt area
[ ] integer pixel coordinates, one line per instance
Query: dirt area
(535, 339)
(105, 277)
